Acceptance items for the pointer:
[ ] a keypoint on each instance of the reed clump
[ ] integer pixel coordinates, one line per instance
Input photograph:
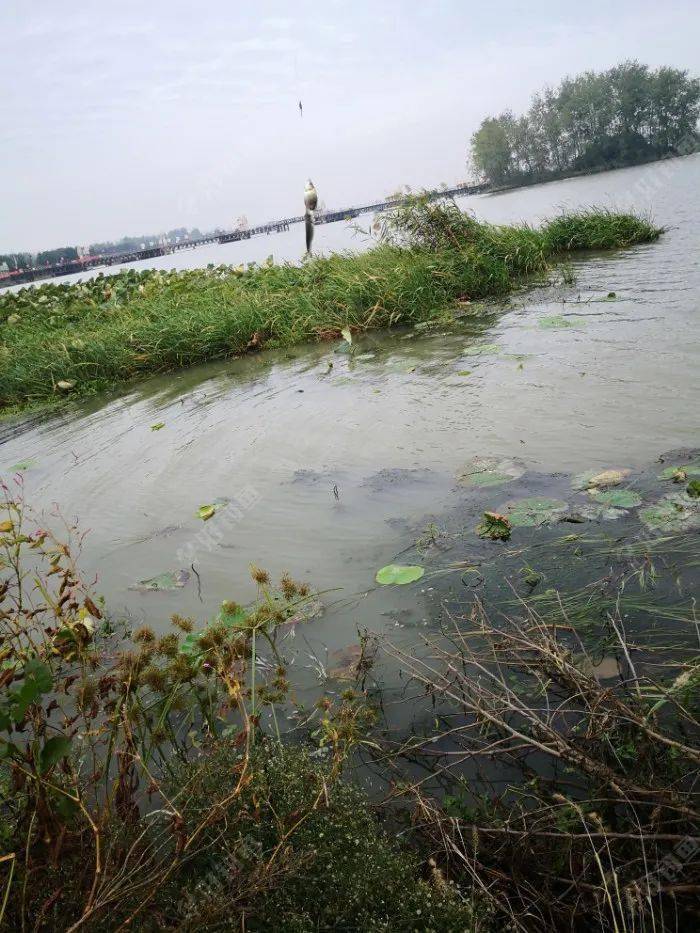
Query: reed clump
(60, 341)
(593, 822)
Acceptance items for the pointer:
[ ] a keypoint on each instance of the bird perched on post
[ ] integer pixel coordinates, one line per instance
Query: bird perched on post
(310, 202)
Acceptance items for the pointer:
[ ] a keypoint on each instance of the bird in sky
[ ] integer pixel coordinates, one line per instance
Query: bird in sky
(310, 202)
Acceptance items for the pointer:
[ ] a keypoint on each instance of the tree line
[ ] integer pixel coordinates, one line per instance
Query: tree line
(627, 115)
(127, 244)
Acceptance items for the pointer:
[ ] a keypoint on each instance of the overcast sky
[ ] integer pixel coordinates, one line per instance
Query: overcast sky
(135, 117)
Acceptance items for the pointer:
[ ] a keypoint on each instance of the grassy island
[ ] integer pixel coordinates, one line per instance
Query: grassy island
(59, 341)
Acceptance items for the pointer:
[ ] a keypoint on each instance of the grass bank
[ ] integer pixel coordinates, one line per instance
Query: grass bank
(59, 341)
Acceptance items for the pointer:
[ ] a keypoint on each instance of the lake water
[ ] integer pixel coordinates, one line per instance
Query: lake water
(333, 473)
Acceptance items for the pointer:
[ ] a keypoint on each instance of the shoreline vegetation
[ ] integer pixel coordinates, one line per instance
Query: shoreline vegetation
(596, 121)
(60, 342)
(170, 780)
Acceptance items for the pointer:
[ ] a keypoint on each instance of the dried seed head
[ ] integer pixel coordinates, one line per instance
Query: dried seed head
(185, 625)
(144, 635)
(155, 678)
(260, 576)
(167, 645)
(288, 586)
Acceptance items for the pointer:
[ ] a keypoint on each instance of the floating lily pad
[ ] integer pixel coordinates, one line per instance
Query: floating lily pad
(675, 512)
(494, 526)
(591, 512)
(172, 580)
(558, 322)
(401, 366)
(399, 574)
(616, 498)
(480, 349)
(535, 510)
(691, 470)
(490, 471)
(595, 479)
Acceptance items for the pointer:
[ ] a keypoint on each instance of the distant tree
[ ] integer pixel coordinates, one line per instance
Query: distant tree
(15, 261)
(491, 149)
(621, 116)
(52, 257)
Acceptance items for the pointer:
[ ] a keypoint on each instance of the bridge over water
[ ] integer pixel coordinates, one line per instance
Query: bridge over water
(274, 226)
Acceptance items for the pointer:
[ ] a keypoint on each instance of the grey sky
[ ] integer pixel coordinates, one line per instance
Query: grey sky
(137, 117)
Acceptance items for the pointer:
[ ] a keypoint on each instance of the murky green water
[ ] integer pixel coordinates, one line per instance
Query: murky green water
(327, 474)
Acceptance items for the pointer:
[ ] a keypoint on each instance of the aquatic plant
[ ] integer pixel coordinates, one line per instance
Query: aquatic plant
(61, 341)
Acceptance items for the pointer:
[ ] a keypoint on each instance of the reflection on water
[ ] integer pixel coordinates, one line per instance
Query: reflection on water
(386, 429)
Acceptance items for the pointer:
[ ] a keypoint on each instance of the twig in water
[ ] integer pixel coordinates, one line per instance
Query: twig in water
(199, 583)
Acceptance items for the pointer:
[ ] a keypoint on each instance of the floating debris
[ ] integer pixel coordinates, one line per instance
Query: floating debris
(345, 663)
(593, 479)
(494, 526)
(158, 426)
(23, 465)
(205, 512)
(65, 385)
(399, 574)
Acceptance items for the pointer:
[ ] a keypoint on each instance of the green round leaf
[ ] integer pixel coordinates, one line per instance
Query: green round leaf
(691, 470)
(171, 580)
(558, 322)
(481, 348)
(535, 510)
(616, 498)
(399, 574)
(676, 512)
(490, 471)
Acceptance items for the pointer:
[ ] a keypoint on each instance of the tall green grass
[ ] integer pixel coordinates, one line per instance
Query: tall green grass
(108, 331)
